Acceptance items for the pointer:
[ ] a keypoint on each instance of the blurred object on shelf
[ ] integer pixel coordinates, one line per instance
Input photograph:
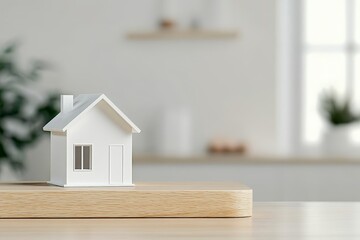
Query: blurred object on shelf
(175, 132)
(167, 24)
(195, 24)
(221, 145)
(179, 19)
(169, 14)
(206, 15)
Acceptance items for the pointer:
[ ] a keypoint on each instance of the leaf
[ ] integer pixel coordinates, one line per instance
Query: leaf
(10, 48)
(12, 77)
(335, 110)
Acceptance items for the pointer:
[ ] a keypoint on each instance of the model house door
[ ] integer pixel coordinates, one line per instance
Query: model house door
(116, 164)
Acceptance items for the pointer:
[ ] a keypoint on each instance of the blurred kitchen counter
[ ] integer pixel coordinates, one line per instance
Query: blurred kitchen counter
(272, 178)
(241, 159)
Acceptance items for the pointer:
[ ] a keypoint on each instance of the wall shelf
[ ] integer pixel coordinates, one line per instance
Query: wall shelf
(182, 34)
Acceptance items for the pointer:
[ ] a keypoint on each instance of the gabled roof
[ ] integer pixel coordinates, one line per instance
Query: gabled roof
(82, 104)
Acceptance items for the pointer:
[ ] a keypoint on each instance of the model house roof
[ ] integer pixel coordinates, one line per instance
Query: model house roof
(83, 103)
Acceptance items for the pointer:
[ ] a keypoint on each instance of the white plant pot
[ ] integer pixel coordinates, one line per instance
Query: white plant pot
(336, 141)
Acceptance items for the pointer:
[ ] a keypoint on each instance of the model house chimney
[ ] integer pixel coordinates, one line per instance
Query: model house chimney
(67, 102)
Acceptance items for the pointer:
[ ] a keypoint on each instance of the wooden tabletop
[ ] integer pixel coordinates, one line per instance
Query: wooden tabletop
(296, 220)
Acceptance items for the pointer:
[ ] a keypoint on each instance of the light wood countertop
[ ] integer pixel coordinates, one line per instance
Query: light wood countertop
(294, 220)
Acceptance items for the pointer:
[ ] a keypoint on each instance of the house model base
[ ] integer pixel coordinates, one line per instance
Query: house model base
(40, 200)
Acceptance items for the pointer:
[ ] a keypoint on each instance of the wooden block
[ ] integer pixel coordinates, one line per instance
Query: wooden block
(40, 200)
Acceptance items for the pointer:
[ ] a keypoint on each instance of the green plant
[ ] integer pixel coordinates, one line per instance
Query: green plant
(23, 112)
(337, 111)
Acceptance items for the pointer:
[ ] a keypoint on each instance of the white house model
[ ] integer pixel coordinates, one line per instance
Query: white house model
(91, 143)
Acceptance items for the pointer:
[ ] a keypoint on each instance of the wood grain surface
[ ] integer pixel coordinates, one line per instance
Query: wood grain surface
(284, 221)
(40, 200)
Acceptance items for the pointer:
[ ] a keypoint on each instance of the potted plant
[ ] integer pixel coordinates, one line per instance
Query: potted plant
(23, 111)
(340, 117)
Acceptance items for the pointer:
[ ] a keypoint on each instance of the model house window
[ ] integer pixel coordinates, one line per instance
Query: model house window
(82, 157)
(330, 58)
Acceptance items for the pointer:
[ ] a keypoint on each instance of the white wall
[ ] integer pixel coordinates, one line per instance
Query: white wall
(229, 85)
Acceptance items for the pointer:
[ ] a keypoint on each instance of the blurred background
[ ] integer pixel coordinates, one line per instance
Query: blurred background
(262, 92)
